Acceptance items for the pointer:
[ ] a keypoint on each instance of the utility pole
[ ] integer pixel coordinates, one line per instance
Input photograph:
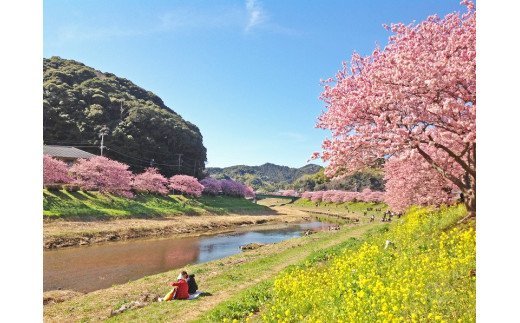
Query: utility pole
(195, 169)
(102, 134)
(180, 155)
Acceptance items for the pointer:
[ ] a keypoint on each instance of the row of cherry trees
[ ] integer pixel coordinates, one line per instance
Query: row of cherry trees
(109, 176)
(336, 196)
(412, 104)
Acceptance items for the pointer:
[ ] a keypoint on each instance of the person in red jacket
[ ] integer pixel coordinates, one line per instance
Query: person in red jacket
(180, 288)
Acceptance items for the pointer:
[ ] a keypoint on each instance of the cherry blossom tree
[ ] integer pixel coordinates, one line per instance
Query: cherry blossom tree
(186, 185)
(54, 171)
(249, 191)
(418, 95)
(317, 196)
(411, 181)
(211, 186)
(289, 193)
(103, 174)
(307, 195)
(151, 181)
(233, 188)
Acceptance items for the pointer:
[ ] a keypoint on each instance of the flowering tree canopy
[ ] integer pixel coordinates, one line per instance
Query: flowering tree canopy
(336, 196)
(233, 188)
(151, 181)
(410, 180)
(186, 185)
(418, 95)
(211, 186)
(103, 174)
(54, 171)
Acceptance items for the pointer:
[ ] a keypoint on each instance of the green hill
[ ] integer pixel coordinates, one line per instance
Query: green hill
(79, 102)
(267, 177)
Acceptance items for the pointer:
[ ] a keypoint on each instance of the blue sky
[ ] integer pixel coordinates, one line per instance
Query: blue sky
(247, 73)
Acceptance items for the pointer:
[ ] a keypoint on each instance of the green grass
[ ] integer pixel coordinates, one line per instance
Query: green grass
(62, 203)
(355, 207)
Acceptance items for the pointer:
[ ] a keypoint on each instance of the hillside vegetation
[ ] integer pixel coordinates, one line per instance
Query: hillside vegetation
(267, 177)
(79, 102)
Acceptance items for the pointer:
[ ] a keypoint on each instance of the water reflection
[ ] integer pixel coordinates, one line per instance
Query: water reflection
(95, 267)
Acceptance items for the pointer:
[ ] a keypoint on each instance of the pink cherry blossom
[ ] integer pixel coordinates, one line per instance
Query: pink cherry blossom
(211, 186)
(103, 174)
(416, 95)
(54, 171)
(151, 181)
(186, 185)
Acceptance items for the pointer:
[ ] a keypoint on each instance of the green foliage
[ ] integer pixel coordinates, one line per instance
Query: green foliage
(264, 178)
(369, 178)
(79, 101)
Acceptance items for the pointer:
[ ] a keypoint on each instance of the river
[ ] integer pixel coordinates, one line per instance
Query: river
(89, 268)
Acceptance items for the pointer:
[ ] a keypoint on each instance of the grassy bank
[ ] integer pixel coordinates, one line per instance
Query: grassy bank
(223, 279)
(347, 207)
(64, 204)
(427, 274)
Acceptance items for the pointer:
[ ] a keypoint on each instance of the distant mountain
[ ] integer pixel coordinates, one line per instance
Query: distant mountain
(267, 177)
(79, 102)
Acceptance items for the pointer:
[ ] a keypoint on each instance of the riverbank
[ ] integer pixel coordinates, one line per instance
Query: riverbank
(83, 218)
(221, 279)
(65, 230)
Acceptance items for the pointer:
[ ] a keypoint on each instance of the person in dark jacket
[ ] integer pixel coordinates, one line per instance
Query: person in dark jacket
(192, 284)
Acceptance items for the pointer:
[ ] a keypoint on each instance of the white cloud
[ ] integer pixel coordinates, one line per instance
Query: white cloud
(255, 14)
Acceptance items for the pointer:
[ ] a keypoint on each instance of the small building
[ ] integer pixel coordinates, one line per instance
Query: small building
(66, 153)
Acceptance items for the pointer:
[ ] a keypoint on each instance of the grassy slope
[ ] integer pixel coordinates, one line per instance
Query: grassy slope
(353, 207)
(222, 278)
(62, 204)
(426, 277)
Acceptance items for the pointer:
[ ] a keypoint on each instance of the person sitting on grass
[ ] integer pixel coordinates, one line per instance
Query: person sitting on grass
(180, 290)
(192, 284)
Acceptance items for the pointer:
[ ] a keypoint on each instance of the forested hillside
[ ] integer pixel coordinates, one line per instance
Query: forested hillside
(80, 102)
(267, 177)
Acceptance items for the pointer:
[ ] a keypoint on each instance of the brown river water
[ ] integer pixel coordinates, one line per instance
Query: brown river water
(89, 268)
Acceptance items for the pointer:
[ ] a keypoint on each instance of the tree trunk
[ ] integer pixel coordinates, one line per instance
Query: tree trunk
(470, 201)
